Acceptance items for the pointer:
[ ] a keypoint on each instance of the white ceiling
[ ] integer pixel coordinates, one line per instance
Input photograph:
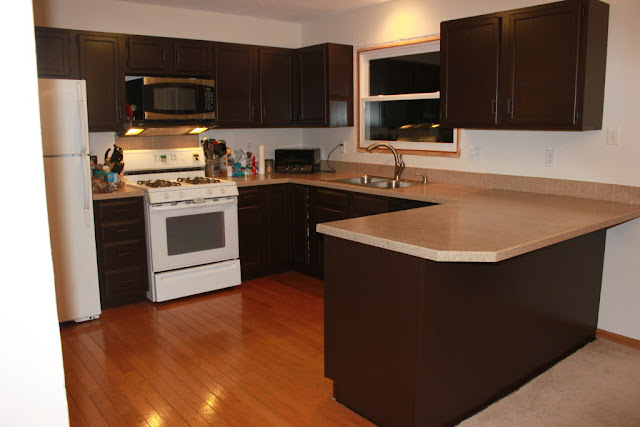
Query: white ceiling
(281, 10)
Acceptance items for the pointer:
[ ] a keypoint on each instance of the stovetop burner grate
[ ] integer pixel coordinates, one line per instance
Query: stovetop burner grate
(199, 180)
(159, 183)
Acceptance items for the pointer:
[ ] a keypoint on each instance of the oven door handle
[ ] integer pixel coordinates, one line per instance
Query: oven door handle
(214, 202)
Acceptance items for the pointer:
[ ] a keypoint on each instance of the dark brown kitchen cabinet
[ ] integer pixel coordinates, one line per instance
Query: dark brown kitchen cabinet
(100, 67)
(251, 231)
(264, 230)
(325, 85)
(299, 226)
(325, 205)
(57, 53)
(470, 52)
(193, 57)
(541, 67)
(237, 82)
(121, 250)
(148, 54)
(276, 87)
(164, 56)
(277, 224)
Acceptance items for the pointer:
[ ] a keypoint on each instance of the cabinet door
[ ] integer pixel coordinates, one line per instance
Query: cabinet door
(299, 226)
(325, 206)
(278, 228)
(149, 54)
(193, 57)
(541, 67)
(250, 232)
(312, 92)
(469, 56)
(237, 82)
(57, 53)
(319, 215)
(100, 67)
(340, 84)
(276, 87)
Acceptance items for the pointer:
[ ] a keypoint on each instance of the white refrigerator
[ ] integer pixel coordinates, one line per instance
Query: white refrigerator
(65, 146)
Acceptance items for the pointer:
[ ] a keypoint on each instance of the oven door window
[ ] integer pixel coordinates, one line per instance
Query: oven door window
(185, 235)
(195, 233)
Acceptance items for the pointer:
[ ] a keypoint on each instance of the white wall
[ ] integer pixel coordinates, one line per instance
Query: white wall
(32, 388)
(579, 155)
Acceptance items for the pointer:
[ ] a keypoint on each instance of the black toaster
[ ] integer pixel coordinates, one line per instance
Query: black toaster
(303, 160)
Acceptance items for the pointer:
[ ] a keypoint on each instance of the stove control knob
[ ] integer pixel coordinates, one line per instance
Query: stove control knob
(223, 190)
(166, 196)
(181, 194)
(210, 191)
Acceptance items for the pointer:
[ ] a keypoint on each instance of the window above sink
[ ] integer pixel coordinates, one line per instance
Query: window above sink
(399, 92)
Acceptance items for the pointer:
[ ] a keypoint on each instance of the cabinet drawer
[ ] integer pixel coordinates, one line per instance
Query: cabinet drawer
(117, 255)
(120, 210)
(121, 231)
(364, 204)
(248, 197)
(129, 281)
(331, 198)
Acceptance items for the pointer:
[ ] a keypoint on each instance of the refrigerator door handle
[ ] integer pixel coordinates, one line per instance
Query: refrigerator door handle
(84, 120)
(86, 174)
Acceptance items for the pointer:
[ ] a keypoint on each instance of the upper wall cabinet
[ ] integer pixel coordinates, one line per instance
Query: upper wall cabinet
(237, 84)
(538, 68)
(100, 67)
(165, 56)
(57, 53)
(325, 93)
(276, 87)
(255, 86)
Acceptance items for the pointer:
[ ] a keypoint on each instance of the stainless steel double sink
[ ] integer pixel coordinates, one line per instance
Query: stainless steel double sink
(375, 182)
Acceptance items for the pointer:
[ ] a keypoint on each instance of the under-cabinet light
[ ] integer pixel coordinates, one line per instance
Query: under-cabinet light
(197, 130)
(133, 131)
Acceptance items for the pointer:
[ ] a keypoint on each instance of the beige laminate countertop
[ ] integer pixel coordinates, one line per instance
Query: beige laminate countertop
(126, 191)
(470, 225)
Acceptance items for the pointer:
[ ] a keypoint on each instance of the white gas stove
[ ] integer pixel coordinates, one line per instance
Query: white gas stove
(174, 175)
(191, 221)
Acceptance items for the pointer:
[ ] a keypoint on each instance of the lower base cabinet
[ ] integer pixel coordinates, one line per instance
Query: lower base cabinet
(264, 218)
(430, 343)
(122, 251)
(277, 224)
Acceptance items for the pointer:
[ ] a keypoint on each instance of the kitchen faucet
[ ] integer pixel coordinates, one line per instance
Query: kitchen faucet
(397, 157)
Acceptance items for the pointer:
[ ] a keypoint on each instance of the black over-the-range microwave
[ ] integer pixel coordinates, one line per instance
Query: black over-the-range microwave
(168, 98)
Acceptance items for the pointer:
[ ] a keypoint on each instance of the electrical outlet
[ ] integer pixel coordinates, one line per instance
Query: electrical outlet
(549, 157)
(344, 146)
(612, 135)
(476, 154)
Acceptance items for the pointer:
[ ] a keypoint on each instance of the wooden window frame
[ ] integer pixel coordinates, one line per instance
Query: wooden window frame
(359, 116)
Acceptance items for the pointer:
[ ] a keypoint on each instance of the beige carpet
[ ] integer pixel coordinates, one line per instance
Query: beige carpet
(599, 385)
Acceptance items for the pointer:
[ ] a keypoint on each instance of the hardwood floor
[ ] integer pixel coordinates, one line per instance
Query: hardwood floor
(247, 356)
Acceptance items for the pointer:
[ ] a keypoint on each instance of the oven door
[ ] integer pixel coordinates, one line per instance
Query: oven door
(189, 234)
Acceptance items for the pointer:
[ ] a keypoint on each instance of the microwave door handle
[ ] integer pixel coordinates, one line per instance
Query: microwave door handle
(217, 202)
